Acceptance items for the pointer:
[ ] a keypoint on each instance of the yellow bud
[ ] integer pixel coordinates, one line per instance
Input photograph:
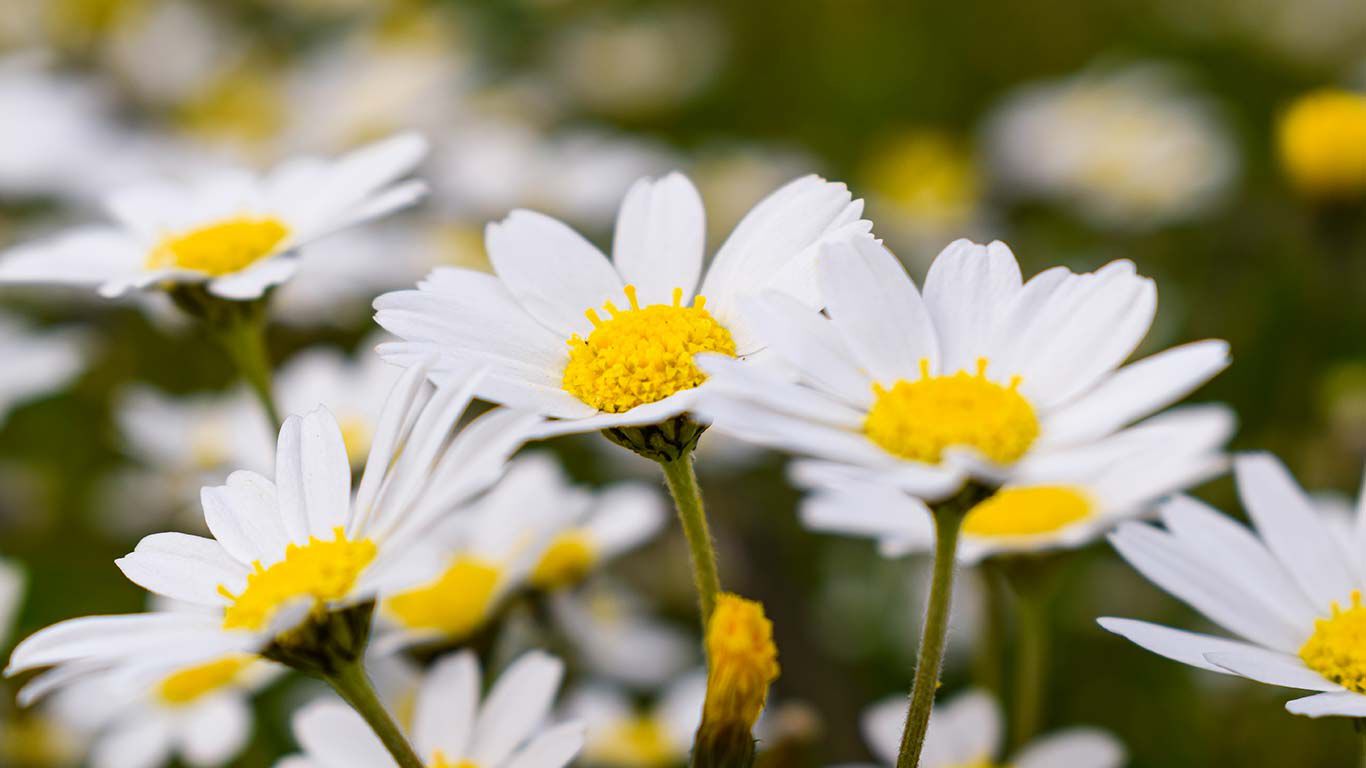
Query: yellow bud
(742, 661)
(1322, 143)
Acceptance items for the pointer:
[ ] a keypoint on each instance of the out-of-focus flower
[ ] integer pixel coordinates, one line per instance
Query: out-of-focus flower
(233, 231)
(452, 725)
(732, 179)
(290, 556)
(640, 64)
(1322, 34)
(238, 112)
(620, 735)
(536, 322)
(35, 738)
(352, 389)
(985, 377)
(170, 51)
(617, 637)
(1322, 143)
(1128, 149)
(923, 188)
(966, 731)
(1291, 590)
(36, 362)
(1060, 507)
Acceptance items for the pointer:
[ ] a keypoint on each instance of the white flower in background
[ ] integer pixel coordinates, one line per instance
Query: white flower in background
(1045, 507)
(533, 529)
(1290, 589)
(13, 584)
(600, 343)
(616, 636)
(965, 732)
(171, 50)
(35, 362)
(284, 549)
(235, 232)
(1129, 148)
(984, 377)
(452, 727)
(344, 273)
(621, 735)
(350, 388)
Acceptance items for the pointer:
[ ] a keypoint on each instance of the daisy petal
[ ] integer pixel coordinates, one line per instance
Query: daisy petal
(554, 748)
(1190, 648)
(516, 707)
(183, 567)
(1271, 668)
(313, 476)
(659, 238)
(1338, 704)
(446, 707)
(1074, 748)
(967, 291)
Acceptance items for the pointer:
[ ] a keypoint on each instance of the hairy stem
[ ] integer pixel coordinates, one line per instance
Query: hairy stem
(353, 685)
(687, 496)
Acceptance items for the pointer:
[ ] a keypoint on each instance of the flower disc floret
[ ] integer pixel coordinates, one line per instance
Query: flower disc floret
(1337, 649)
(189, 685)
(455, 603)
(324, 571)
(1028, 511)
(221, 248)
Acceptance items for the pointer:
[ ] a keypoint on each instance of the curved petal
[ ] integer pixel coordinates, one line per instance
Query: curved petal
(967, 292)
(1340, 704)
(516, 707)
(183, 567)
(659, 238)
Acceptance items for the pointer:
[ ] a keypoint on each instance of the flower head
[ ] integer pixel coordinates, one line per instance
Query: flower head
(742, 662)
(620, 735)
(1322, 143)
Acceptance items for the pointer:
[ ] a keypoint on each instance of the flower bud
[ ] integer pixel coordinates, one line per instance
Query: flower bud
(742, 662)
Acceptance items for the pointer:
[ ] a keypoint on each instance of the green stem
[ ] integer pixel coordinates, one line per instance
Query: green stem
(987, 663)
(353, 685)
(1031, 659)
(244, 338)
(1359, 724)
(682, 480)
(948, 521)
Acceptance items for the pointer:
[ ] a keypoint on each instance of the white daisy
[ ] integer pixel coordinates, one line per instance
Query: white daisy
(533, 529)
(302, 543)
(236, 232)
(1289, 589)
(984, 377)
(621, 735)
(350, 388)
(537, 320)
(965, 732)
(1063, 506)
(36, 362)
(452, 726)
(616, 636)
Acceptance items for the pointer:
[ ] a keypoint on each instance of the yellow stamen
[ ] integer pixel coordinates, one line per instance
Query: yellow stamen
(221, 248)
(642, 354)
(567, 560)
(742, 662)
(321, 570)
(1028, 511)
(919, 419)
(638, 742)
(439, 760)
(455, 604)
(1337, 649)
(188, 685)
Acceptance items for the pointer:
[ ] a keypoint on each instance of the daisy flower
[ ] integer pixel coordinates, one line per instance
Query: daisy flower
(533, 529)
(36, 362)
(621, 735)
(452, 726)
(301, 546)
(1289, 589)
(616, 636)
(348, 387)
(234, 232)
(966, 731)
(1045, 508)
(984, 377)
(599, 343)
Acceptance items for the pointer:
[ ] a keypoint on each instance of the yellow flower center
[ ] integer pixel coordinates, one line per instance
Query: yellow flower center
(245, 106)
(220, 249)
(742, 661)
(322, 570)
(642, 354)
(439, 761)
(983, 763)
(455, 604)
(918, 420)
(1337, 649)
(357, 434)
(1322, 141)
(565, 562)
(928, 175)
(188, 685)
(1028, 511)
(639, 742)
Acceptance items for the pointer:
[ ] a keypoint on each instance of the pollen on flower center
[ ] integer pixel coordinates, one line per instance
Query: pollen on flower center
(742, 661)
(1337, 649)
(642, 354)
(454, 604)
(221, 248)
(1028, 511)
(188, 685)
(439, 761)
(638, 742)
(565, 562)
(321, 570)
(919, 419)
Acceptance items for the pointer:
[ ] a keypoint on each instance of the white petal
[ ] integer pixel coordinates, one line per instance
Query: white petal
(1342, 704)
(516, 707)
(554, 748)
(313, 476)
(625, 516)
(659, 238)
(252, 282)
(741, 379)
(1073, 748)
(870, 510)
(244, 517)
(963, 730)
(140, 742)
(335, 736)
(183, 567)
(189, 635)
(657, 412)
(882, 725)
(808, 341)
(968, 290)
(215, 730)
(1271, 668)
(446, 707)
(1189, 648)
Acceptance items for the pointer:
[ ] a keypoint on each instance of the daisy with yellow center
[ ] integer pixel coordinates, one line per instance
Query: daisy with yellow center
(453, 726)
(235, 233)
(1289, 590)
(621, 735)
(967, 733)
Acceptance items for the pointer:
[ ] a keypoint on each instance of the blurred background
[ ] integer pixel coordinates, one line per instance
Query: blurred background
(1220, 144)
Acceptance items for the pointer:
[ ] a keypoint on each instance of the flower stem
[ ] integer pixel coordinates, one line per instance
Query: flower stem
(1359, 724)
(353, 685)
(245, 341)
(988, 671)
(1031, 659)
(682, 480)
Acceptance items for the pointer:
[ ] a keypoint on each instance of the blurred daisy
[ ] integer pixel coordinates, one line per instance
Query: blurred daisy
(452, 726)
(533, 529)
(169, 51)
(617, 637)
(1045, 507)
(621, 735)
(235, 232)
(733, 178)
(344, 273)
(537, 321)
(1321, 138)
(983, 377)
(966, 731)
(36, 362)
(1129, 148)
(350, 388)
(924, 188)
(1290, 589)
(300, 546)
